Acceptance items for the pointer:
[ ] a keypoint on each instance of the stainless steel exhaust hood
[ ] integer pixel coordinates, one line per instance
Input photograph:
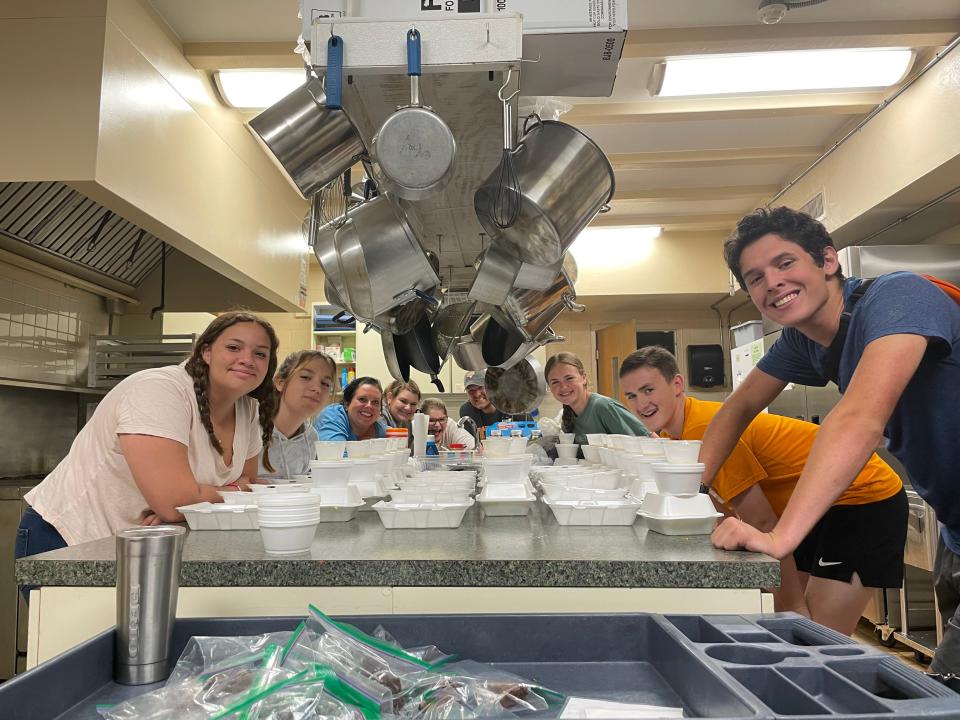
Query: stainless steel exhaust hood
(58, 226)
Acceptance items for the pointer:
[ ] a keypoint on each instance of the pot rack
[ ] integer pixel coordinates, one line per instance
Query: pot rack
(465, 62)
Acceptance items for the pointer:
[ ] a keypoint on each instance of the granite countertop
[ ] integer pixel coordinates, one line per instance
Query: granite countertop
(531, 551)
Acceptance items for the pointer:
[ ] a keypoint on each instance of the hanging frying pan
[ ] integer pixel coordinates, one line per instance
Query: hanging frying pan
(418, 346)
(395, 354)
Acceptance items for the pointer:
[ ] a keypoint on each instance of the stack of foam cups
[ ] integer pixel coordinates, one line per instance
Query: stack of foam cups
(288, 522)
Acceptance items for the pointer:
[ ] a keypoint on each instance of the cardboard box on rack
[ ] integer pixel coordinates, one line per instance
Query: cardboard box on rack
(578, 42)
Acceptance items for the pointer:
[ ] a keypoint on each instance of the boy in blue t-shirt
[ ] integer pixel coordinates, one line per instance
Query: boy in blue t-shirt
(899, 373)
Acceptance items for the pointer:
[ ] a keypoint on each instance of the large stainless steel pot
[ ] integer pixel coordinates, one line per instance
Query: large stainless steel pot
(532, 311)
(467, 352)
(565, 180)
(503, 345)
(312, 143)
(517, 390)
(450, 323)
(323, 240)
(388, 278)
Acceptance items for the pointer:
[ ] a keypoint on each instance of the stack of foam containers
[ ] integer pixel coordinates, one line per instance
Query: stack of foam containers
(678, 507)
(592, 493)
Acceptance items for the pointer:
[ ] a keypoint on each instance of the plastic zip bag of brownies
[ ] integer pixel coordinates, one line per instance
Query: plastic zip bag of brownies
(515, 693)
(372, 666)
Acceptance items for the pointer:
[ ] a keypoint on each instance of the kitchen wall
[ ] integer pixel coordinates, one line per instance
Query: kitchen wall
(692, 327)
(44, 326)
(37, 428)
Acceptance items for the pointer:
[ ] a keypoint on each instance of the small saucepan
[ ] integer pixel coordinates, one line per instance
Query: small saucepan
(414, 147)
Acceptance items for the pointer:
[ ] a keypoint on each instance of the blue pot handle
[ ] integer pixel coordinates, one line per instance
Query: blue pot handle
(413, 52)
(335, 72)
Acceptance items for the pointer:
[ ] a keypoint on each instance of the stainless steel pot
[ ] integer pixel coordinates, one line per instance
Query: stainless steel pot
(503, 345)
(450, 323)
(323, 240)
(495, 276)
(565, 179)
(387, 275)
(532, 311)
(517, 390)
(311, 143)
(467, 352)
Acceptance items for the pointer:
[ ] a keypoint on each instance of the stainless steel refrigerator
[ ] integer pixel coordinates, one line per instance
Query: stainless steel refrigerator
(910, 615)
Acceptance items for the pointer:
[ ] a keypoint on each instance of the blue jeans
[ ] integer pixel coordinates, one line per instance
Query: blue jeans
(35, 535)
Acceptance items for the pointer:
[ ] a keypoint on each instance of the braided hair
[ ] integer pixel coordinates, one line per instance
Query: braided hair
(264, 393)
(569, 417)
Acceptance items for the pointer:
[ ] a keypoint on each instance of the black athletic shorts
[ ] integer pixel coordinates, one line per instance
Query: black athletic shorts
(866, 539)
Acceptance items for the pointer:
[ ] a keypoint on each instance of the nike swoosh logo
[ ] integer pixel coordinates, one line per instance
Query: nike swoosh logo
(821, 563)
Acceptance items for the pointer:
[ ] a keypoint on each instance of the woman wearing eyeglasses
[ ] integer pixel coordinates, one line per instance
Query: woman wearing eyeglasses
(357, 416)
(445, 433)
(305, 385)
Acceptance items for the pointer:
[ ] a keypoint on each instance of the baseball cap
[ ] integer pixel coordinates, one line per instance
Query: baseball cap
(474, 378)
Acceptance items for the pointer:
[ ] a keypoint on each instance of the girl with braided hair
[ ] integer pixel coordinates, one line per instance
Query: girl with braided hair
(163, 438)
(305, 384)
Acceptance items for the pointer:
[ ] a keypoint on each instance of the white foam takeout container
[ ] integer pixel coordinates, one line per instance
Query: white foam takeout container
(280, 487)
(560, 491)
(424, 495)
(395, 516)
(679, 515)
(220, 516)
(594, 512)
(506, 499)
(341, 496)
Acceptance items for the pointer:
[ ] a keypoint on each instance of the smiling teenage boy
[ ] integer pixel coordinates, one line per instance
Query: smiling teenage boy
(899, 372)
(859, 543)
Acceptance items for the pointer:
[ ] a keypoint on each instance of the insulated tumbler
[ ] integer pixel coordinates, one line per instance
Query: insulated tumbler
(148, 579)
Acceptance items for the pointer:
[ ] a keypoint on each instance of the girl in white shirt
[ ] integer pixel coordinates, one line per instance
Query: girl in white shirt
(161, 439)
(305, 383)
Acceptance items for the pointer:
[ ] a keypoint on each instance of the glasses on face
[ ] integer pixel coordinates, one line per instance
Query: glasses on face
(438, 421)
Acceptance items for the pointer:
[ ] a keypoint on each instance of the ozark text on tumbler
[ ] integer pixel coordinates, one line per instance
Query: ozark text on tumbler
(148, 580)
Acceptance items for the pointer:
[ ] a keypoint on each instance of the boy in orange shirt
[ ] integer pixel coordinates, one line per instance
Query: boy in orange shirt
(857, 545)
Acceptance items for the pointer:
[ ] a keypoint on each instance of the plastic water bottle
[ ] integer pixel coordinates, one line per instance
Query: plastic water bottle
(432, 447)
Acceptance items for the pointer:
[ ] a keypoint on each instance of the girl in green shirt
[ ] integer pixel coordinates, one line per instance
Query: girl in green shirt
(583, 411)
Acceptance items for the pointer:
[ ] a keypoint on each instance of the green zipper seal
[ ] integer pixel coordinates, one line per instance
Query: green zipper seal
(292, 641)
(362, 637)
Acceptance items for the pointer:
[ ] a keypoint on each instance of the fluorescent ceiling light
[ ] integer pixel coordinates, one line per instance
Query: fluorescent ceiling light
(614, 246)
(778, 72)
(256, 89)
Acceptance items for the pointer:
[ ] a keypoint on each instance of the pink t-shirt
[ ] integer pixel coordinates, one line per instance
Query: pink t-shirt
(91, 494)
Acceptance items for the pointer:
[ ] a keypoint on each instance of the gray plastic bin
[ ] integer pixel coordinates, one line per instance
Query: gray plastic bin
(715, 666)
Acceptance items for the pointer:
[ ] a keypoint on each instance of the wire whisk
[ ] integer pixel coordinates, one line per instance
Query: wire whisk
(505, 202)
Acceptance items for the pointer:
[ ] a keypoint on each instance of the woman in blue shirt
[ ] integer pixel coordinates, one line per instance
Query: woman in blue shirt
(357, 416)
